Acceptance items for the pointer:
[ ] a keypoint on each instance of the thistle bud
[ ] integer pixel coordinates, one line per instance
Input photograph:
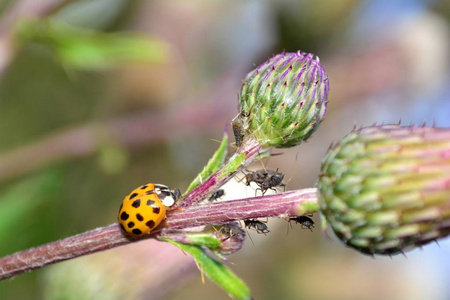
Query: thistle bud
(386, 189)
(283, 101)
(231, 235)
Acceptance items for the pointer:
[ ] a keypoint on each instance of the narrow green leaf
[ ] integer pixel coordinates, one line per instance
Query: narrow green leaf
(213, 164)
(217, 272)
(233, 165)
(204, 240)
(194, 238)
(92, 50)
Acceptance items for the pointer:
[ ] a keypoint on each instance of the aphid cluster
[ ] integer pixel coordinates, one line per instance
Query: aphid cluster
(145, 208)
(265, 179)
(261, 227)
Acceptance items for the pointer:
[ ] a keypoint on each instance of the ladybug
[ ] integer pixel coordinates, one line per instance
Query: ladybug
(145, 208)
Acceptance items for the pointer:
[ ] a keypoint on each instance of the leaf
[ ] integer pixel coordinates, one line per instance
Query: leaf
(204, 240)
(213, 165)
(92, 50)
(216, 271)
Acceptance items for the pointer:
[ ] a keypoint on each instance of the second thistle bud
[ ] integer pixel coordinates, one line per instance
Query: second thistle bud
(283, 101)
(386, 189)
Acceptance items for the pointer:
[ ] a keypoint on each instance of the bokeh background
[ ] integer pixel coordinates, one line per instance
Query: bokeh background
(98, 97)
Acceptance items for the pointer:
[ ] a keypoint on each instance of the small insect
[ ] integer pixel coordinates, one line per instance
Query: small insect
(216, 195)
(228, 229)
(145, 208)
(259, 226)
(237, 131)
(265, 179)
(305, 221)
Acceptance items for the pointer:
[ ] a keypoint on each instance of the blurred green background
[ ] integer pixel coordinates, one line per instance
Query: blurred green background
(98, 97)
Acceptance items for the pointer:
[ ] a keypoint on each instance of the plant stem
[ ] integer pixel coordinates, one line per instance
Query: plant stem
(248, 151)
(278, 205)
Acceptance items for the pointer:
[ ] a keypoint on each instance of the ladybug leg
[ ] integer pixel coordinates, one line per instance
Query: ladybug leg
(175, 208)
(163, 224)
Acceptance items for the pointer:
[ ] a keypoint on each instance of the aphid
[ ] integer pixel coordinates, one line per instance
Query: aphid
(305, 221)
(259, 226)
(237, 131)
(145, 208)
(265, 179)
(228, 229)
(216, 195)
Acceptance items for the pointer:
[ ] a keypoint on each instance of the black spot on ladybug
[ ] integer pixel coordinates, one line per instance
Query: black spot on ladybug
(136, 231)
(143, 187)
(123, 228)
(133, 195)
(150, 202)
(149, 192)
(156, 209)
(130, 224)
(139, 217)
(124, 216)
(136, 203)
(150, 224)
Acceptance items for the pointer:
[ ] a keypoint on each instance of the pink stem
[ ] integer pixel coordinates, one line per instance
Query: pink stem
(278, 205)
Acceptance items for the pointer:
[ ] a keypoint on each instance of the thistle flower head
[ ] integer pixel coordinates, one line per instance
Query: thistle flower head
(386, 189)
(283, 101)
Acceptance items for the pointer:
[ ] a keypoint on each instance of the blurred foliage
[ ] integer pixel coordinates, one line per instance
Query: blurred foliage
(21, 206)
(65, 282)
(442, 8)
(37, 96)
(307, 25)
(30, 214)
(92, 50)
(112, 158)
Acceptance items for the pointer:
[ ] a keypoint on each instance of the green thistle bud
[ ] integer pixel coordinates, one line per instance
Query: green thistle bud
(386, 189)
(283, 101)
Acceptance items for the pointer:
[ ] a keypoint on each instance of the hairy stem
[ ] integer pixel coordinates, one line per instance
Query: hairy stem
(278, 205)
